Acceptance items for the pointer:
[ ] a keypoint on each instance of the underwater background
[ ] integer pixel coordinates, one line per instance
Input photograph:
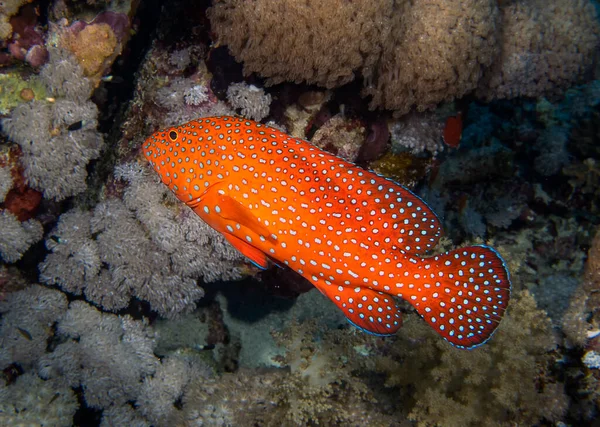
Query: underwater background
(119, 306)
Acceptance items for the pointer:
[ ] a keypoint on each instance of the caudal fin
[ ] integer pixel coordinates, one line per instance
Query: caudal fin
(462, 294)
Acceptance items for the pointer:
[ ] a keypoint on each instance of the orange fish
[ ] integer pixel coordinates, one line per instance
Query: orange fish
(353, 234)
(453, 130)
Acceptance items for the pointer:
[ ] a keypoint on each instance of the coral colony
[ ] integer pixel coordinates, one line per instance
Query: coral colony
(176, 179)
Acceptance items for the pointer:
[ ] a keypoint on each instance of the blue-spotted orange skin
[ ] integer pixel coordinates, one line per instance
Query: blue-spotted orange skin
(355, 235)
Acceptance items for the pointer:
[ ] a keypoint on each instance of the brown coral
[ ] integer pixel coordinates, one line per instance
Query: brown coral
(578, 322)
(506, 382)
(92, 46)
(311, 41)
(436, 51)
(9, 8)
(414, 53)
(318, 387)
(546, 46)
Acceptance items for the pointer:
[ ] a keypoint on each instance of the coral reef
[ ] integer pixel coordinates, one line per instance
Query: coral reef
(546, 46)
(313, 42)
(505, 382)
(33, 401)
(436, 51)
(16, 236)
(57, 138)
(8, 8)
(250, 100)
(341, 136)
(184, 345)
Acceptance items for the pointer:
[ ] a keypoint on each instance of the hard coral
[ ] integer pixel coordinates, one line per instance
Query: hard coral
(326, 43)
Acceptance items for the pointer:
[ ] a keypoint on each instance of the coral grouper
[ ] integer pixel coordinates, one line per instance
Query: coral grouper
(355, 235)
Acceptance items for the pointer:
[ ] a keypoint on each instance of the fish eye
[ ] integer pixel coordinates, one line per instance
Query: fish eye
(173, 135)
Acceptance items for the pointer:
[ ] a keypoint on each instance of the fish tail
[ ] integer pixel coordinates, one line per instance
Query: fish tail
(462, 294)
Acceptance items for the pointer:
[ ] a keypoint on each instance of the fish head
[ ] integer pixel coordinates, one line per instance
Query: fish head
(171, 152)
(158, 149)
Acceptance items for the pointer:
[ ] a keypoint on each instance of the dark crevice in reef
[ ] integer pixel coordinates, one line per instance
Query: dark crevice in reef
(113, 96)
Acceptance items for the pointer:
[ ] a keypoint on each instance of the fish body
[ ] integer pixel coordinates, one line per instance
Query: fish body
(453, 130)
(355, 235)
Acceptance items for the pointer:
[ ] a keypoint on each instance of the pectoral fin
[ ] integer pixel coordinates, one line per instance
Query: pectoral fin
(219, 210)
(258, 257)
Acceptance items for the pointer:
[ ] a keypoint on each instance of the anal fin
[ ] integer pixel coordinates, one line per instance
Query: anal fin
(369, 310)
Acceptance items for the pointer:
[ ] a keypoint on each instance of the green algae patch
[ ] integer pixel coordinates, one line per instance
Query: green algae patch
(14, 90)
